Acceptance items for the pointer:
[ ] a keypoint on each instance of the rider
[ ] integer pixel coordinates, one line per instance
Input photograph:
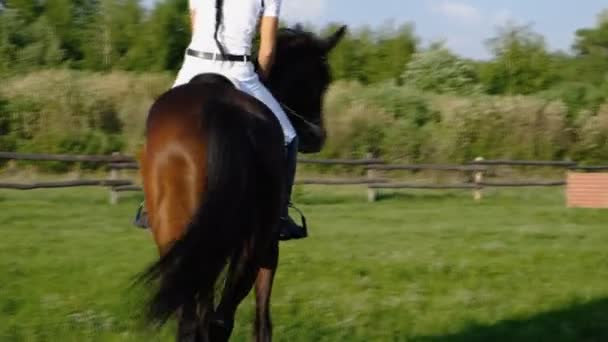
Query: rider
(222, 35)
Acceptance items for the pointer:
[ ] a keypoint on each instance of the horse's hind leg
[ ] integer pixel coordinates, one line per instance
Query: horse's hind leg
(263, 291)
(188, 324)
(173, 187)
(239, 282)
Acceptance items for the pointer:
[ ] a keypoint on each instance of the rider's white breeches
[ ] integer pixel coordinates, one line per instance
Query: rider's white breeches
(247, 80)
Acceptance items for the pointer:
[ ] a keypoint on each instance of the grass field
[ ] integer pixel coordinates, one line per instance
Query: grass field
(413, 267)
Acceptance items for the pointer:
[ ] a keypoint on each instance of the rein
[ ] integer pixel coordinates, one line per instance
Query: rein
(312, 125)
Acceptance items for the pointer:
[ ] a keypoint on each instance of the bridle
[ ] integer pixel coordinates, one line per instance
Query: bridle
(313, 125)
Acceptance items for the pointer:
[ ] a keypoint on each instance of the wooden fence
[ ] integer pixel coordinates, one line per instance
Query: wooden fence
(376, 172)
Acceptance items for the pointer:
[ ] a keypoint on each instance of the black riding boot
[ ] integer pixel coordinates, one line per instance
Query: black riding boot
(141, 217)
(289, 230)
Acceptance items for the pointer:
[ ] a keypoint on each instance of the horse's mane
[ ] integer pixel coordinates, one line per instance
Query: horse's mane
(296, 39)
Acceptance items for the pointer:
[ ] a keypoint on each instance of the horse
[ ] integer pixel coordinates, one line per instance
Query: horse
(213, 181)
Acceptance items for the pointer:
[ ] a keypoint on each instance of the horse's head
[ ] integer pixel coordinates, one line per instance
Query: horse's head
(299, 79)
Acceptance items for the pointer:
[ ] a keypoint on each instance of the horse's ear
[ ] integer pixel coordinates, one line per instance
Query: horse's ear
(333, 40)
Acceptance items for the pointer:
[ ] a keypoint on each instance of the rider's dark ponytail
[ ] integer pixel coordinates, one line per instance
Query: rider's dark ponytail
(219, 17)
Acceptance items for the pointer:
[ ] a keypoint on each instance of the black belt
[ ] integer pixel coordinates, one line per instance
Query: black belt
(218, 56)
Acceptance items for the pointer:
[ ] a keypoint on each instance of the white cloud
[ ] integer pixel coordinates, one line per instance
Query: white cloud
(458, 10)
(303, 10)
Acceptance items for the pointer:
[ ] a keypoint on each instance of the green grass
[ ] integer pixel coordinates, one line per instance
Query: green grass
(416, 266)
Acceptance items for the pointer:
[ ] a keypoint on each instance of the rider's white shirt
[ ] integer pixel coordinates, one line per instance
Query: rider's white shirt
(240, 24)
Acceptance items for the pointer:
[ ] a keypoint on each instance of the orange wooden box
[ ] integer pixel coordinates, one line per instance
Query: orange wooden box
(587, 190)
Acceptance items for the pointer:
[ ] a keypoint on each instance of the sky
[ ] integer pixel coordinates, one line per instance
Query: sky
(464, 25)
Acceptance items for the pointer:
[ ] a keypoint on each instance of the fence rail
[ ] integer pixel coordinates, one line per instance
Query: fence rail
(124, 166)
(523, 184)
(374, 181)
(423, 186)
(502, 162)
(426, 167)
(347, 162)
(590, 168)
(349, 181)
(65, 184)
(115, 158)
(127, 188)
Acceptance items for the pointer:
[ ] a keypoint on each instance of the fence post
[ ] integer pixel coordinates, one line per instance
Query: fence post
(372, 194)
(11, 167)
(478, 179)
(113, 176)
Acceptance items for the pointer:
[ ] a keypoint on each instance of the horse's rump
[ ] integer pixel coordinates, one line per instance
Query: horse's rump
(212, 171)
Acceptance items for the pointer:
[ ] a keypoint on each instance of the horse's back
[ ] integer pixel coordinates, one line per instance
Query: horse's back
(185, 106)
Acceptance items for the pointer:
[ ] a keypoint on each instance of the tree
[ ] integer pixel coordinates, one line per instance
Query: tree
(44, 48)
(9, 26)
(392, 50)
(23, 45)
(28, 10)
(71, 20)
(371, 56)
(113, 33)
(165, 36)
(593, 40)
(521, 62)
(347, 59)
(591, 47)
(438, 70)
(128, 23)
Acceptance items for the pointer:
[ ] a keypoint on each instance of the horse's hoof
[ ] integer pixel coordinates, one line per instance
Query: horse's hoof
(220, 329)
(187, 337)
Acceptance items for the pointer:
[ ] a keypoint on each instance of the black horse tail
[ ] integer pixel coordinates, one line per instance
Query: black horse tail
(242, 201)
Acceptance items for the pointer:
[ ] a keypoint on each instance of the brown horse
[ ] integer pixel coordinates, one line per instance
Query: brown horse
(213, 174)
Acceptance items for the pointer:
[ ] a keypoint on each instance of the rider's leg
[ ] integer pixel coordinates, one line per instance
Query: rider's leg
(141, 217)
(288, 229)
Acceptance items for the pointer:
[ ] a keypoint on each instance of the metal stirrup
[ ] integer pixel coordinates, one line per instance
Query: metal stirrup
(302, 217)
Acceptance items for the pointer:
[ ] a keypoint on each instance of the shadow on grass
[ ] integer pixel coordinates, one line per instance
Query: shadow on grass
(587, 322)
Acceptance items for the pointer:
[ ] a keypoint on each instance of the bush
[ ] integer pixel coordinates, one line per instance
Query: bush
(437, 70)
(409, 143)
(50, 106)
(501, 127)
(86, 113)
(578, 97)
(402, 124)
(592, 146)
(76, 112)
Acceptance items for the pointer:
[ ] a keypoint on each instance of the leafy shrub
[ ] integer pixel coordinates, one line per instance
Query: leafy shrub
(578, 97)
(439, 71)
(87, 113)
(501, 127)
(592, 146)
